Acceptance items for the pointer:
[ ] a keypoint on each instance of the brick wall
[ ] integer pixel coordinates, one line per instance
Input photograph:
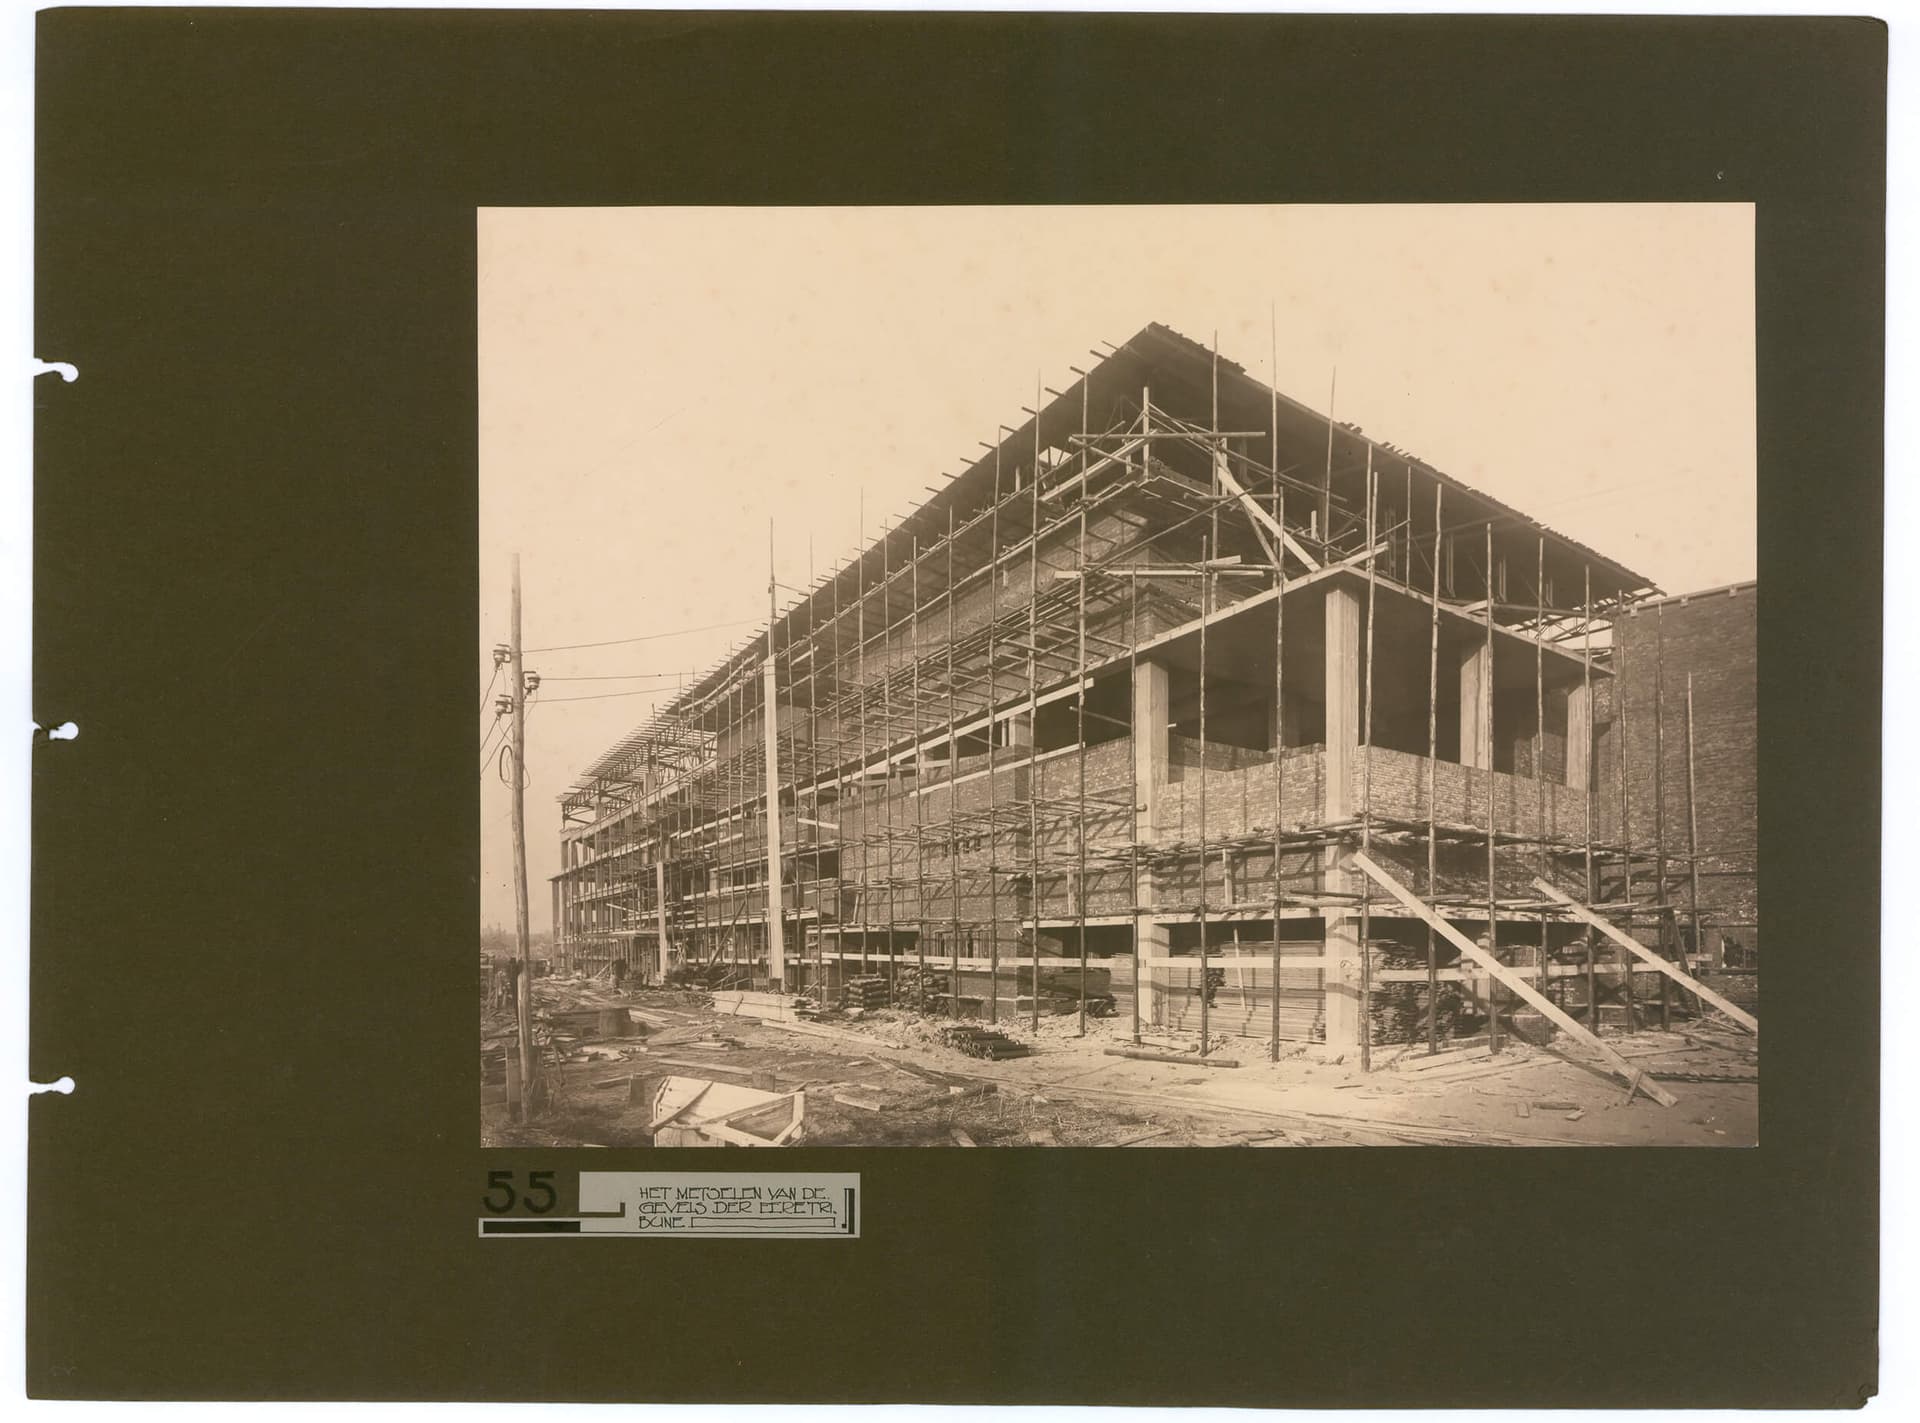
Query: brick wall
(1399, 788)
(1712, 636)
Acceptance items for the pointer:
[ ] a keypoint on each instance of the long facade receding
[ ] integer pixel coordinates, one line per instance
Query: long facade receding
(1272, 729)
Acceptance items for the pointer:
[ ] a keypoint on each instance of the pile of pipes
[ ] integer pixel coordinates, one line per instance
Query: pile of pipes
(983, 1042)
(866, 991)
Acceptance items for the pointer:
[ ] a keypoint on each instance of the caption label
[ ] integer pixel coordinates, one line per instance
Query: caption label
(710, 1204)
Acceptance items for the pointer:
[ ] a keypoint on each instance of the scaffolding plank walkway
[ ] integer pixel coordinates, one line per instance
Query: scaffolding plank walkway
(1652, 960)
(1634, 1078)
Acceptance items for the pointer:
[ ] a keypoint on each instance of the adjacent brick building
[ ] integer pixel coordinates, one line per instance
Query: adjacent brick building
(1705, 642)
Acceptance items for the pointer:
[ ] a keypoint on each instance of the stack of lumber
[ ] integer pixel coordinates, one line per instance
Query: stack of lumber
(1060, 990)
(923, 991)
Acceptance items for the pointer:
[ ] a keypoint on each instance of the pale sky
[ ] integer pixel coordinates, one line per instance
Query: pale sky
(656, 384)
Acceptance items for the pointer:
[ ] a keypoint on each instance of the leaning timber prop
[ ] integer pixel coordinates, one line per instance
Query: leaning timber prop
(1649, 957)
(1635, 1078)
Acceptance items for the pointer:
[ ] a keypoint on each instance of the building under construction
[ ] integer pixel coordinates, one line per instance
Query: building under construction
(1189, 704)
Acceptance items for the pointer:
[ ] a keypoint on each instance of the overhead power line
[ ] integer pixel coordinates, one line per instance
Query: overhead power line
(626, 677)
(644, 637)
(602, 696)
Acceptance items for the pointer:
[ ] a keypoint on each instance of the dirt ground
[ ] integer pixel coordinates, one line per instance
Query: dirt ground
(888, 1079)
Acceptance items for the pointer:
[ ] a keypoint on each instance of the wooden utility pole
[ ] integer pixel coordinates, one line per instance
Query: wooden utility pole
(522, 936)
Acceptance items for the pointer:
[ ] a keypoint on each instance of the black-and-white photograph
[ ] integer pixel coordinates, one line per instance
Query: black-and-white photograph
(1118, 676)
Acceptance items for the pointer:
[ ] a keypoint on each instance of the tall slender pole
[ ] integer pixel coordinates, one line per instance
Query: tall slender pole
(523, 996)
(1153, 878)
(1080, 702)
(860, 772)
(993, 735)
(839, 809)
(1279, 671)
(1693, 835)
(1433, 754)
(1662, 918)
(887, 796)
(1326, 489)
(1206, 615)
(953, 775)
(1587, 780)
(770, 712)
(1626, 818)
(1487, 742)
(1540, 753)
(813, 765)
(1033, 717)
(1133, 787)
(1366, 780)
(920, 804)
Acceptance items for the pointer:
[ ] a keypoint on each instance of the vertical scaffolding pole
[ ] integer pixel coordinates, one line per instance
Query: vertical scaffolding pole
(860, 774)
(1693, 836)
(1279, 685)
(920, 798)
(1433, 755)
(993, 735)
(953, 771)
(839, 812)
(886, 756)
(1661, 917)
(813, 759)
(1586, 750)
(1366, 779)
(1206, 613)
(1493, 911)
(1033, 717)
(1544, 982)
(1133, 789)
(1326, 489)
(770, 712)
(1626, 819)
(1080, 894)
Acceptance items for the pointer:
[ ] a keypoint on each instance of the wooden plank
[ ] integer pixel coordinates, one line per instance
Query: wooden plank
(1649, 957)
(1190, 1059)
(681, 1110)
(1634, 1077)
(1262, 517)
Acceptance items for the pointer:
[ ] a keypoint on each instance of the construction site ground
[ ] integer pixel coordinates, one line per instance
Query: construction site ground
(887, 1078)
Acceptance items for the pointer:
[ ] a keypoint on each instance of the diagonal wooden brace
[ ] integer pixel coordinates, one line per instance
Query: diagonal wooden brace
(1516, 984)
(1261, 518)
(1649, 957)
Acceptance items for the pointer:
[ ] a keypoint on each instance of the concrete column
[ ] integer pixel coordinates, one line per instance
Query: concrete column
(1579, 736)
(1343, 618)
(1152, 711)
(1476, 704)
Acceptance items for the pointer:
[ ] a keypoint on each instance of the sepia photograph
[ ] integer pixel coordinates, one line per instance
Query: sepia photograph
(1150, 677)
(1025, 580)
